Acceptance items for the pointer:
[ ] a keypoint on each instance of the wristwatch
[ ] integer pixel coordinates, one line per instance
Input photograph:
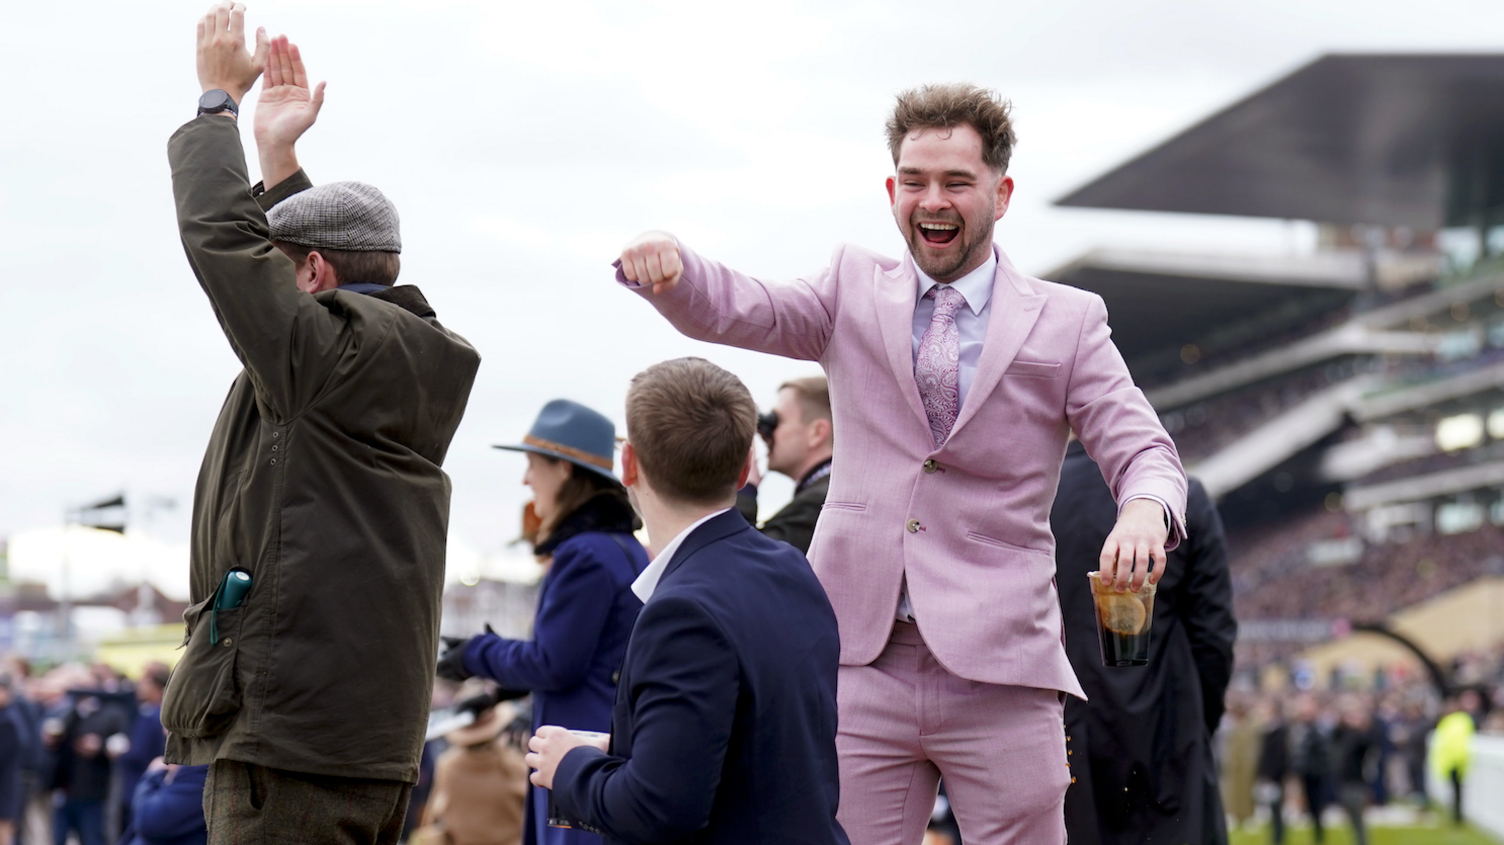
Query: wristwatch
(216, 101)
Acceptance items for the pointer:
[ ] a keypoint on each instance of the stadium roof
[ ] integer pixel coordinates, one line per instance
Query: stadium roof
(1394, 140)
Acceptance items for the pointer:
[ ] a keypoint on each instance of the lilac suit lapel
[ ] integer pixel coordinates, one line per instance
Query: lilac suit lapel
(894, 295)
(1015, 308)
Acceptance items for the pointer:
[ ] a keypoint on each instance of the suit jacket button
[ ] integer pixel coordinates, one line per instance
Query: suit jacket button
(931, 465)
(913, 526)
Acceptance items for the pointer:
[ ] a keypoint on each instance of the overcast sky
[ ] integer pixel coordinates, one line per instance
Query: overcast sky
(524, 143)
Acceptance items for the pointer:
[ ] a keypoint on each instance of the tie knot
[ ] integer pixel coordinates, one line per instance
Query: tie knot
(947, 299)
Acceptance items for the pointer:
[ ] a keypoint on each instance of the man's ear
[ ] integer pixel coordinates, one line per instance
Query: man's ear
(1004, 194)
(628, 464)
(746, 470)
(819, 433)
(892, 188)
(321, 273)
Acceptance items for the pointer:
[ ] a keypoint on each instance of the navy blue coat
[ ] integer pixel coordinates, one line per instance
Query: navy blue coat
(724, 729)
(165, 813)
(586, 608)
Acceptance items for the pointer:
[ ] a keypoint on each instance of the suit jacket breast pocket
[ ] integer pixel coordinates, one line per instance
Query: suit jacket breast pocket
(1032, 369)
(203, 696)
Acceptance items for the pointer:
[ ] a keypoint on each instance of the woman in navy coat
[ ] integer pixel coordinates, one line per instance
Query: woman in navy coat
(586, 607)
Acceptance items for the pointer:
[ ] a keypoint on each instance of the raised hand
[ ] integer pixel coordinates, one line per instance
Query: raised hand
(222, 58)
(286, 107)
(285, 110)
(653, 259)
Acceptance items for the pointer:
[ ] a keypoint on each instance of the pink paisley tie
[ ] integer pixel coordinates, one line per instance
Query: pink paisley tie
(938, 370)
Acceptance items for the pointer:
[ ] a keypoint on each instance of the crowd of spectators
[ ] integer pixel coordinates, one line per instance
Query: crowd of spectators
(1350, 743)
(1200, 430)
(81, 755)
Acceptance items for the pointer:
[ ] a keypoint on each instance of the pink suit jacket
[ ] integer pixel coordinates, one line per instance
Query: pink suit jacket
(968, 522)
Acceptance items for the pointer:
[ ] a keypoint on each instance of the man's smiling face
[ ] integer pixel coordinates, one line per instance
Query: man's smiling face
(946, 199)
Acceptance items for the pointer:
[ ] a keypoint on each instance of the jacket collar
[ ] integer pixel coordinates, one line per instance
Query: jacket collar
(1015, 309)
(713, 530)
(408, 298)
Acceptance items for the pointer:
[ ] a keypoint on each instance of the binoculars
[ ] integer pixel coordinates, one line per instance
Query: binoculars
(765, 425)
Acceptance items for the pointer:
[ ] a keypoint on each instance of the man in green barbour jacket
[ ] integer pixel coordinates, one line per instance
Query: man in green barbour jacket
(322, 481)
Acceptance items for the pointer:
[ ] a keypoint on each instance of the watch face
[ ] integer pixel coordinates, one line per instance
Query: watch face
(215, 100)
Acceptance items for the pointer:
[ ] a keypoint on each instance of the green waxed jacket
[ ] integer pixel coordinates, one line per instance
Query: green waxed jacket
(322, 480)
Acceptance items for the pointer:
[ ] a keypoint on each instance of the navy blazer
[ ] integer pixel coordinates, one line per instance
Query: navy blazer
(724, 728)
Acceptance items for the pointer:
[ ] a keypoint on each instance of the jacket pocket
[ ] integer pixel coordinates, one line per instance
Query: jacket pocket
(1032, 369)
(1003, 544)
(203, 697)
(843, 506)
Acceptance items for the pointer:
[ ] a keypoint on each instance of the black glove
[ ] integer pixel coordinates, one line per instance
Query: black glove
(452, 662)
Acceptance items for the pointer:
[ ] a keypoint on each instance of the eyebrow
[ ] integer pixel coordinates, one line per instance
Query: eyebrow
(914, 171)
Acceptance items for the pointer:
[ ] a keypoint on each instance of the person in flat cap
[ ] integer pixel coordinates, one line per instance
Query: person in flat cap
(321, 511)
(581, 523)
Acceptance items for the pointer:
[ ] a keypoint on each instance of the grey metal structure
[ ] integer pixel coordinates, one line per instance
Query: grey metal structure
(1388, 140)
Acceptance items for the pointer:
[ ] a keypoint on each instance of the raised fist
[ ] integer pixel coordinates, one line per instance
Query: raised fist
(653, 259)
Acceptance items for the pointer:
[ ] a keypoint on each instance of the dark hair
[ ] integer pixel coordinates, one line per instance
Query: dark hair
(946, 106)
(376, 267)
(691, 424)
(581, 486)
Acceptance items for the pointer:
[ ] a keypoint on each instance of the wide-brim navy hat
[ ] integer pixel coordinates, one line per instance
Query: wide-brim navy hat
(572, 432)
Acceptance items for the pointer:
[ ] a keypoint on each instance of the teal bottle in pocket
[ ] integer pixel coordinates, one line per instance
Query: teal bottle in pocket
(231, 594)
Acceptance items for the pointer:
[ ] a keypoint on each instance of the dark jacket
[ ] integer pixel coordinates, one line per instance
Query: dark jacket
(1357, 753)
(147, 744)
(169, 812)
(1141, 746)
(1274, 753)
(12, 751)
(86, 777)
(725, 720)
(795, 522)
(586, 609)
(322, 479)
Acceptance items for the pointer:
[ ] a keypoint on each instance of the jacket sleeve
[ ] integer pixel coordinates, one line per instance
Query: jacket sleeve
(714, 303)
(1206, 604)
(169, 810)
(684, 687)
(795, 522)
(1119, 427)
(576, 605)
(288, 342)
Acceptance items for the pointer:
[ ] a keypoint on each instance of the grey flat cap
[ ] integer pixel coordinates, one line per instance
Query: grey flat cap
(351, 216)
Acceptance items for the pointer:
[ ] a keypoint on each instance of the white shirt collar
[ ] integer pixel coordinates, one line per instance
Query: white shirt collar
(647, 582)
(975, 287)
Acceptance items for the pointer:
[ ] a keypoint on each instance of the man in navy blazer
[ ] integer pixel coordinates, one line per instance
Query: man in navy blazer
(725, 719)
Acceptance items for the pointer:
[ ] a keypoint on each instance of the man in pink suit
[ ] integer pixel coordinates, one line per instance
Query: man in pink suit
(955, 382)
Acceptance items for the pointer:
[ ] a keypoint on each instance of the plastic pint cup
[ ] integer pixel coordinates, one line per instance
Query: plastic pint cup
(1123, 620)
(558, 819)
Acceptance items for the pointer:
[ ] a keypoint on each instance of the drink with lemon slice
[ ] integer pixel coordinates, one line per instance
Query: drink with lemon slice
(1123, 620)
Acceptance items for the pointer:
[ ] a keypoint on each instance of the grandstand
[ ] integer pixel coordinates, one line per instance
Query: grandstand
(1345, 406)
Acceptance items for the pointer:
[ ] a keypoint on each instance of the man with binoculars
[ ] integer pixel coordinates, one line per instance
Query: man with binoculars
(799, 437)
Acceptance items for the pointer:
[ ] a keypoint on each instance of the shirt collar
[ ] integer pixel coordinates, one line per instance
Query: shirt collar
(364, 287)
(647, 583)
(975, 287)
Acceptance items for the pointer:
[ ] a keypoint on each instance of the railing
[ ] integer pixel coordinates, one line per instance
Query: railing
(1481, 789)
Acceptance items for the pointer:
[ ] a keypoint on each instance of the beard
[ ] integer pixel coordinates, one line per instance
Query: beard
(947, 267)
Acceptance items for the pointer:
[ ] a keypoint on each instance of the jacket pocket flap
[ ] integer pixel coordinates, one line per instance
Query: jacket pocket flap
(1032, 369)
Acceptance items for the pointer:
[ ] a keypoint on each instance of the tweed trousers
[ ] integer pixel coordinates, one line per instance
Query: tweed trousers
(246, 804)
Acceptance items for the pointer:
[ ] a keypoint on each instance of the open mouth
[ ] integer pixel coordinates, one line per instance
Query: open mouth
(938, 234)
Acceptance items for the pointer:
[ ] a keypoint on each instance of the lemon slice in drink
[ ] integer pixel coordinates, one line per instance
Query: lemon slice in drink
(1122, 613)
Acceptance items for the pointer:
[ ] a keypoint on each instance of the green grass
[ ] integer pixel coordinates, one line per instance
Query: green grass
(1439, 835)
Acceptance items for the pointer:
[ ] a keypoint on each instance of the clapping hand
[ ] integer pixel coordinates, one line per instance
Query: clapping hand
(287, 107)
(285, 110)
(223, 61)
